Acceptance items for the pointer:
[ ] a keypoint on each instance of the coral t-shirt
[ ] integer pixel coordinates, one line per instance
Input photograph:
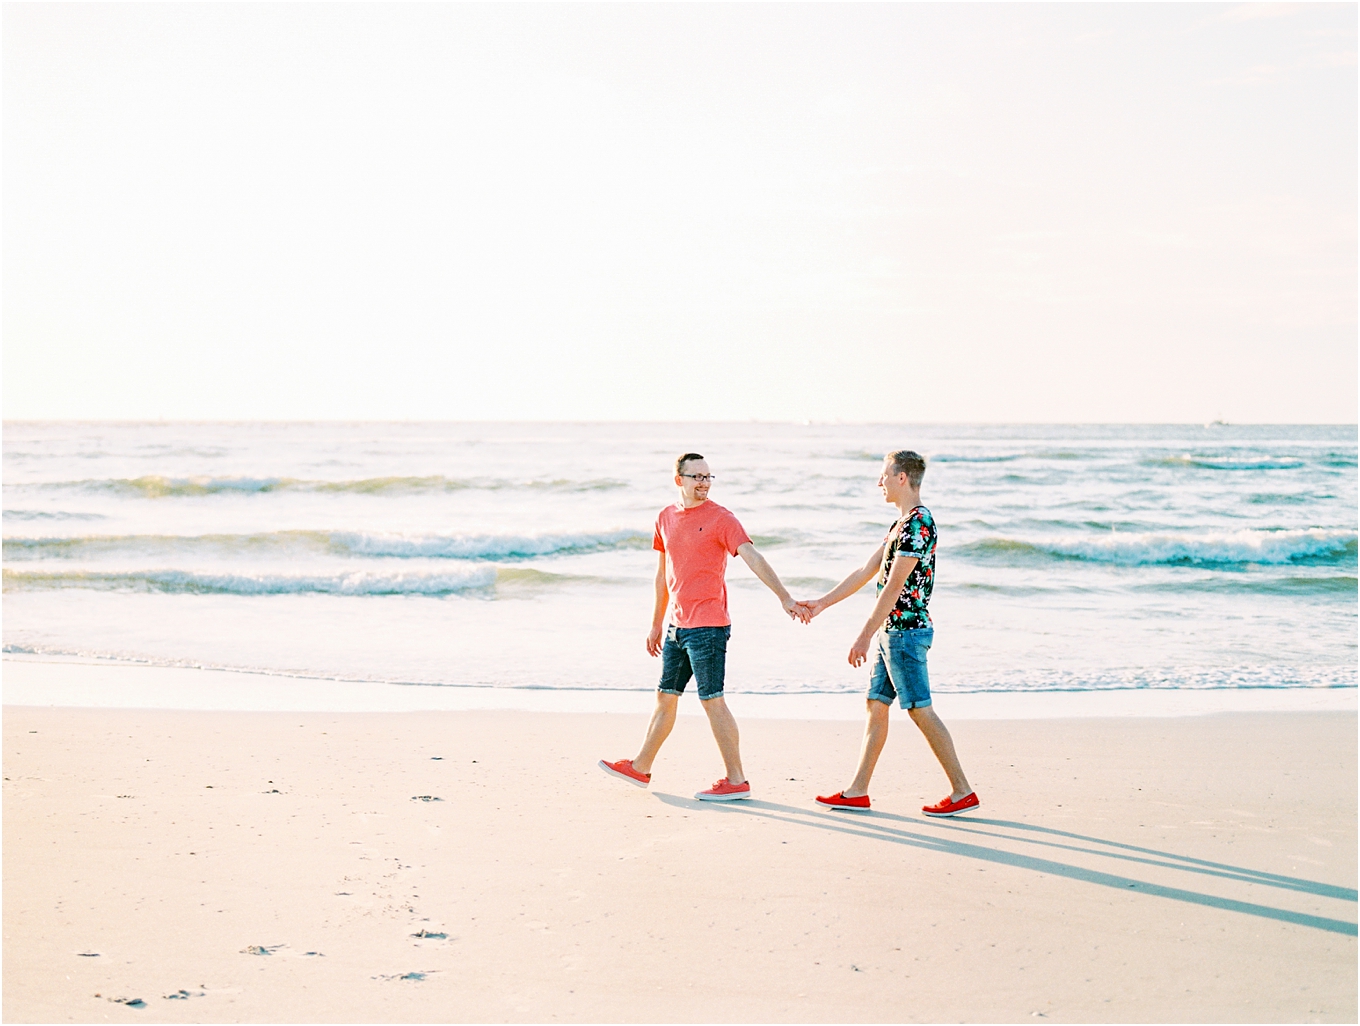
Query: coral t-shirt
(697, 542)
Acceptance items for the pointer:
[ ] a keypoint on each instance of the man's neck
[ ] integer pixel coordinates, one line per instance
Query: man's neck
(908, 502)
(687, 503)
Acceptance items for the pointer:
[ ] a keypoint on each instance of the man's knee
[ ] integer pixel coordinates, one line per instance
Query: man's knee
(924, 716)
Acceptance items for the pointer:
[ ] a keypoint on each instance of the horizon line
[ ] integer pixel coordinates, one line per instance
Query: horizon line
(791, 422)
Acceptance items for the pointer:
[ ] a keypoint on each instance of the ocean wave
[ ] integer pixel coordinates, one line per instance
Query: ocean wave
(155, 486)
(465, 580)
(1205, 463)
(185, 582)
(486, 546)
(1020, 681)
(1282, 498)
(1067, 454)
(41, 514)
(1293, 585)
(951, 458)
(1315, 546)
(340, 543)
(1152, 678)
(978, 457)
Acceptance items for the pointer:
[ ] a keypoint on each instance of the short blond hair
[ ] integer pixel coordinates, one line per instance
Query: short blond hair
(909, 462)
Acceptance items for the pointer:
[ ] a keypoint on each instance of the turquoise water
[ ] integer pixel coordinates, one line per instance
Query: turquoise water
(1077, 558)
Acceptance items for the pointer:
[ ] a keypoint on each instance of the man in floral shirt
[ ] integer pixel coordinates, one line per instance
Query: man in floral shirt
(900, 632)
(912, 536)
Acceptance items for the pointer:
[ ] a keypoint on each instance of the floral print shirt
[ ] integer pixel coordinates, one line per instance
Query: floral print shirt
(912, 536)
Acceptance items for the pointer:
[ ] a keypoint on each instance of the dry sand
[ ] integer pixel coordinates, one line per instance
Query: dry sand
(230, 866)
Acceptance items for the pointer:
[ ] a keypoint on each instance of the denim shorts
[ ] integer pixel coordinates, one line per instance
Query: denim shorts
(900, 667)
(698, 652)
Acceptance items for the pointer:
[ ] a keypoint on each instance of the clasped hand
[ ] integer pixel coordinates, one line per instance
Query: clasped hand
(803, 611)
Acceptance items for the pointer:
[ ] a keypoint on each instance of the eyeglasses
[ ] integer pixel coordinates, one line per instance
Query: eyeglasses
(701, 478)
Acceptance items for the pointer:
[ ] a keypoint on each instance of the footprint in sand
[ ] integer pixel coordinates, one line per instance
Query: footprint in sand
(279, 949)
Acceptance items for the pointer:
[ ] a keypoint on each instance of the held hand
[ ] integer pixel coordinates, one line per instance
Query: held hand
(859, 651)
(795, 610)
(654, 641)
(812, 608)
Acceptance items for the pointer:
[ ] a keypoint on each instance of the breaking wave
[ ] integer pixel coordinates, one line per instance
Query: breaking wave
(155, 486)
(39, 514)
(1207, 463)
(339, 543)
(456, 581)
(1302, 547)
(1010, 681)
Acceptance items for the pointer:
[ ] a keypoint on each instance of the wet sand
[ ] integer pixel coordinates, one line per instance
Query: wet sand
(477, 866)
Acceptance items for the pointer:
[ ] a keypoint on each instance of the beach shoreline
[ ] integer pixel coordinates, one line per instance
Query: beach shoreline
(35, 680)
(289, 866)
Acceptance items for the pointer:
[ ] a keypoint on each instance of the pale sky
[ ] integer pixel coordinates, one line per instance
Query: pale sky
(953, 212)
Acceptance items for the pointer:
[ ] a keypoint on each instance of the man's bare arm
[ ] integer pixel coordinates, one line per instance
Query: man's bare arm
(856, 580)
(887, 598)
(770, 579)
(663, 601)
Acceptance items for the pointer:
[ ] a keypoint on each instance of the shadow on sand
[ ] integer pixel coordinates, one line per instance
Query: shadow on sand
(955, 837)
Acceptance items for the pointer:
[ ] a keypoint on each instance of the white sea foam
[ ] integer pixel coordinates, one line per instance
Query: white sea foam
(1143, 548)
(340, 543)
(184, 582)
(1210, 463)
(160, 486)
(485, 546)
(1035, 681)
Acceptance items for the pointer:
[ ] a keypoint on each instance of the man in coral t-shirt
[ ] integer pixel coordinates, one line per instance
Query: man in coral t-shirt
(694, 538)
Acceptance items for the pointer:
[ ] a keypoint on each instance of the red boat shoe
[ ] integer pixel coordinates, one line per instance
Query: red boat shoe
(624, 768)
(724, 791)
(840, 803)
(948, 807)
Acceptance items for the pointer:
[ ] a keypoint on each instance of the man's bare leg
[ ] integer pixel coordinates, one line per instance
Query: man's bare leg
(943, 747)
(875, 737)
(725, 732)
(663, 719)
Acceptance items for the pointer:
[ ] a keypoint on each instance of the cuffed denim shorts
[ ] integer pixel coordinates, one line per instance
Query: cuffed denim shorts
(698, 652)
(900, 667)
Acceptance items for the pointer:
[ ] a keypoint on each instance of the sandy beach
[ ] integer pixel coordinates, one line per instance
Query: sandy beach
(476, 866)
(397, 395)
